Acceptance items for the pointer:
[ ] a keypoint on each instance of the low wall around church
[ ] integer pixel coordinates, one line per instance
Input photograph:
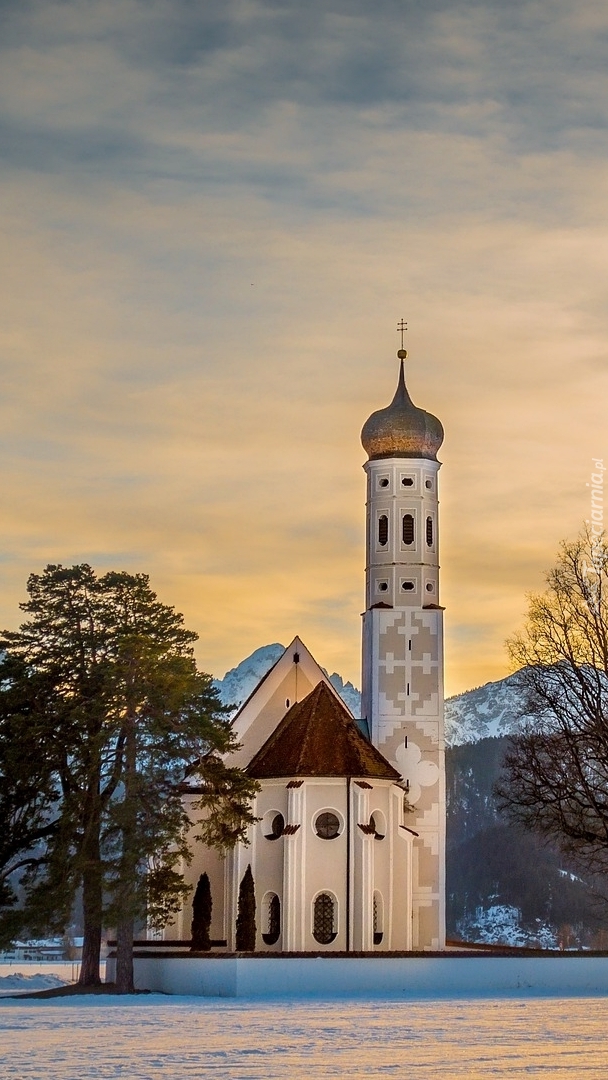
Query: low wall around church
(403, 976)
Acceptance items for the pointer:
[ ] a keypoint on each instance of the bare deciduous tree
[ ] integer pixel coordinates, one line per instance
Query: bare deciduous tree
(555, 777)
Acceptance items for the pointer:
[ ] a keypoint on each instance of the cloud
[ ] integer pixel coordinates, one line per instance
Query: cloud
(215, 215)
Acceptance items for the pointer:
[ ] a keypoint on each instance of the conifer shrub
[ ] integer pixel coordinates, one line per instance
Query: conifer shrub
(245, 920)
(202, 906)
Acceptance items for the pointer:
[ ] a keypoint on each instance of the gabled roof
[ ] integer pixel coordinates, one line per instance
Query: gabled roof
(293, 676)
(318, 737)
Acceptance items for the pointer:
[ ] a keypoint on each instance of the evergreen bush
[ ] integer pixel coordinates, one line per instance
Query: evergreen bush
(245, 921)
(202, 905)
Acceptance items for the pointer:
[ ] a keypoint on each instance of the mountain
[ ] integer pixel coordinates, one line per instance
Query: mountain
(489, 711)
(239, 682)
(505, 884)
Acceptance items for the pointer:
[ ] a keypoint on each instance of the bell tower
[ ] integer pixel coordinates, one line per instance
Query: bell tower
(402, 677)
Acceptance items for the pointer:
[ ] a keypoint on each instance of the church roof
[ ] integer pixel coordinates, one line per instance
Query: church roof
(318, 737)
(402, 429)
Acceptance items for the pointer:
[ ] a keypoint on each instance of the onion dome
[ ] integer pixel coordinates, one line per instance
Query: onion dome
(402, 430)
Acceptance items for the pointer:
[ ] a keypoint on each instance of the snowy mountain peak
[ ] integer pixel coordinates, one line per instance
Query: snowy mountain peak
(240, 681)
(488, 711)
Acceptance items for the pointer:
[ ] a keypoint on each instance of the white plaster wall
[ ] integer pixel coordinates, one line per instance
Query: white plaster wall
(408, 977)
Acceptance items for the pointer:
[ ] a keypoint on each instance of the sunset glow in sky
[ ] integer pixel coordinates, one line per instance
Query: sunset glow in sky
(214, 216)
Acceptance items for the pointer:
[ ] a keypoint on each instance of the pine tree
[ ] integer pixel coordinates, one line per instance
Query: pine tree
(124, 716)
(202, 905)
(245, 921)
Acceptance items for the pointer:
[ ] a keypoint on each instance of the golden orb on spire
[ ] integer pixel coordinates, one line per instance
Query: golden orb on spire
(402, 429)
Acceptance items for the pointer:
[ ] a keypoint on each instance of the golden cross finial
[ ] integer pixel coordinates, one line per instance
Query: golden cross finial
(402, 326)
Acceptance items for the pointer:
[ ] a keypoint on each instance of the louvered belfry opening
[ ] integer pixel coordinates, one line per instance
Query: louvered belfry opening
(383, 530)
(408, 529)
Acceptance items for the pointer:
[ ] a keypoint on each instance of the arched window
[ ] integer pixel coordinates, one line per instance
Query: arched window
(378, 918)
(429, 531)
(323, 929)
(378, 822)
(273, 919)
(407, 528)
(273, 825)
(383, 530)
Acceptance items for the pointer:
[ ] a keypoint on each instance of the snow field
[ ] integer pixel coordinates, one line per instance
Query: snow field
(18, 982)
(149, 1038)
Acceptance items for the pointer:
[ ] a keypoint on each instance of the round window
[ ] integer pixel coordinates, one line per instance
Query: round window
(327, 826)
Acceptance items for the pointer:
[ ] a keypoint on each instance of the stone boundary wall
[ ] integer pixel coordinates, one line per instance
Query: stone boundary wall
(406, 977)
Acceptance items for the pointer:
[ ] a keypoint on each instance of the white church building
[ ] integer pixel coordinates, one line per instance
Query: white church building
(348, 853)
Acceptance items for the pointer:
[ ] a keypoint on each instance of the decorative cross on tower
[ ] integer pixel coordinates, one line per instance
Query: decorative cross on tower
(402, 326)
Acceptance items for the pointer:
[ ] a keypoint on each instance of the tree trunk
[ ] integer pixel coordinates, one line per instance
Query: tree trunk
(92, 907)
(128, 866)
(124, 957)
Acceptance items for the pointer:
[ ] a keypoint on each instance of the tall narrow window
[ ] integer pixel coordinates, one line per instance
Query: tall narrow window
(408, 529)
(377, 917)
(273, 920)
(429, 531)
(323, 919)
(383, 530)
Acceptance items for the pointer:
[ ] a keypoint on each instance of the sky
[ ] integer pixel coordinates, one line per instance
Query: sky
(214, 215)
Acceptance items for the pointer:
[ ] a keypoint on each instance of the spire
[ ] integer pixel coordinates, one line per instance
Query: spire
(402, 429)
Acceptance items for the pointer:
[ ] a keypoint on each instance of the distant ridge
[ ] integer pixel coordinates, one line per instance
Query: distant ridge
(488, 711)
(239, 682)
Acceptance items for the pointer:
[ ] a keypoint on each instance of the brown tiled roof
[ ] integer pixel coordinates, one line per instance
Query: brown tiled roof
(318, 737)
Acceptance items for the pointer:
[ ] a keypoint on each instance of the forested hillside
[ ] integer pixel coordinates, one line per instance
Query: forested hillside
(504, 884)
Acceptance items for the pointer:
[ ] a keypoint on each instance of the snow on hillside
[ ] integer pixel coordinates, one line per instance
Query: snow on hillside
(500, 924)
(238, 683)
(488, 711)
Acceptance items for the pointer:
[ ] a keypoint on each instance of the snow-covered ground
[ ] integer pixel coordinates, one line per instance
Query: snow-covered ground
(19, 982)
(33, 974)
(150, 1038)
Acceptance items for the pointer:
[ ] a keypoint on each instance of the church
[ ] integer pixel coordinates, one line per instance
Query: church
(348, 851)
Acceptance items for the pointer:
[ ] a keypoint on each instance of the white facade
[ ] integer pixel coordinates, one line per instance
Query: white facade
(365, 869)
